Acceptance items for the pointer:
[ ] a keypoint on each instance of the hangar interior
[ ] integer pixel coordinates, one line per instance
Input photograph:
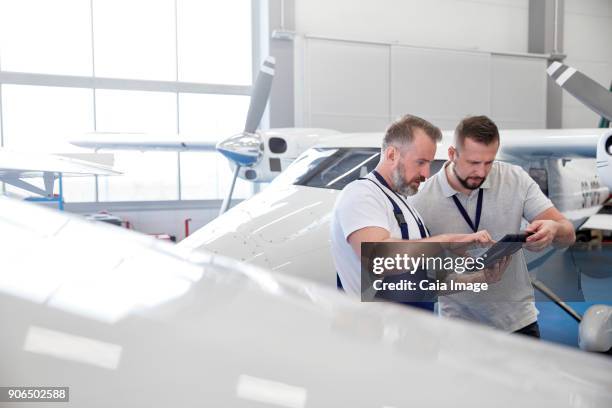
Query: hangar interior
(187, 66)
(276, 106)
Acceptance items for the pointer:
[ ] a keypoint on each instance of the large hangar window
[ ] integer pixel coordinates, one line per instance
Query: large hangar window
(38, 119)
(143, 52)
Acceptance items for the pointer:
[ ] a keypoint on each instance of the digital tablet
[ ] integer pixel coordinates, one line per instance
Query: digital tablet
(506, 246)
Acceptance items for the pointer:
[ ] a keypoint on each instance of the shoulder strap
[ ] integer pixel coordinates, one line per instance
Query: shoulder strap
(397, 212)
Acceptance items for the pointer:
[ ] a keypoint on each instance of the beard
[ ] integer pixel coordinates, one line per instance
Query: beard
(471, 183)
(401, 185)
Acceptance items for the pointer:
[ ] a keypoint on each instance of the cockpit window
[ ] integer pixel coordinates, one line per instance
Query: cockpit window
(304, 164)
(334, 168)
(330, 168)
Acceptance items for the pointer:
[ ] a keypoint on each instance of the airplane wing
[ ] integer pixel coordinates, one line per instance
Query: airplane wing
(24, 165)
(144, 142)
(599, 222)
(551, 143)
(96, 304)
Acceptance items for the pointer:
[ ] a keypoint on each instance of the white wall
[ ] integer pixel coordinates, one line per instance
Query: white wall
(433, 58)
(490, 25)
(588, 45)
(358, 87)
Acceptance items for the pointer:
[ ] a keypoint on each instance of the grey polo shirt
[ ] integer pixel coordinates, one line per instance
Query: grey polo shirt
(509, 196)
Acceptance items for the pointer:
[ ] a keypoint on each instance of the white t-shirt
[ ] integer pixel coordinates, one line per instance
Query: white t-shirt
(362, 204)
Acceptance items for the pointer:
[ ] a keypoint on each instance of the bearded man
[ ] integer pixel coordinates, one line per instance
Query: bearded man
(374, 208)
(475, 192)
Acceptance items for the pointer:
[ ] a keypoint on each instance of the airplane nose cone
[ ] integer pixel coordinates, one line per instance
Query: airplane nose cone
(244, 149)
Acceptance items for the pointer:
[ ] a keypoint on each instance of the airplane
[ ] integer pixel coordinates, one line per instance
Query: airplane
(16, 168)
(123, 320)
(286, 227)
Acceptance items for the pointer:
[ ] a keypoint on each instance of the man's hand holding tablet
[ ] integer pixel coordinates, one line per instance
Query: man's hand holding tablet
(505, 247)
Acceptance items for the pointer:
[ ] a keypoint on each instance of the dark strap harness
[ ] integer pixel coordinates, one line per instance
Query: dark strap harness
(466, 217)
(423, 231)
(403, 225)
(397, 212)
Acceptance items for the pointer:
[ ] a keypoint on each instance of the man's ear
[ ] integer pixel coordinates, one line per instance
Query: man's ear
(391, 154)
(452, 153)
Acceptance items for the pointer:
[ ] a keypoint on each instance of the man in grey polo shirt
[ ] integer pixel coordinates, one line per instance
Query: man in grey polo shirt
(473, 192)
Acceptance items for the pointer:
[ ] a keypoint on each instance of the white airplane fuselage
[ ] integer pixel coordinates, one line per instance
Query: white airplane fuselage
(146, 324)
(284, 228)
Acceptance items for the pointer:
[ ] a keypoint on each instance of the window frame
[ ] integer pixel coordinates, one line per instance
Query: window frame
(258, 11)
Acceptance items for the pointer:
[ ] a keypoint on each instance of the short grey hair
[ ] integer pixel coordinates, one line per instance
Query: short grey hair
(402, 131)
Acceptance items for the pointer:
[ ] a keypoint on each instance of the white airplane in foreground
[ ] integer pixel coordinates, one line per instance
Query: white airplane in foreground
(286, 227)
(124, 320)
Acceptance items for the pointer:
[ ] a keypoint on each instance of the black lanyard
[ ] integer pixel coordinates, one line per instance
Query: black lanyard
(464, 213)
(382, 181)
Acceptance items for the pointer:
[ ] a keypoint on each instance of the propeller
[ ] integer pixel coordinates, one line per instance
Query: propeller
(246, 149)
(587, 91)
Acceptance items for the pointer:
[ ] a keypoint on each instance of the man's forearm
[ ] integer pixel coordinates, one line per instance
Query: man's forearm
(436, 238)
(449, 238)
(417, 247)
(430, 246)
(565, 233)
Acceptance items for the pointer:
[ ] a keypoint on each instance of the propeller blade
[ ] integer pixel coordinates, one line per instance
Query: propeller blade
(260, 95)
(583, 88)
